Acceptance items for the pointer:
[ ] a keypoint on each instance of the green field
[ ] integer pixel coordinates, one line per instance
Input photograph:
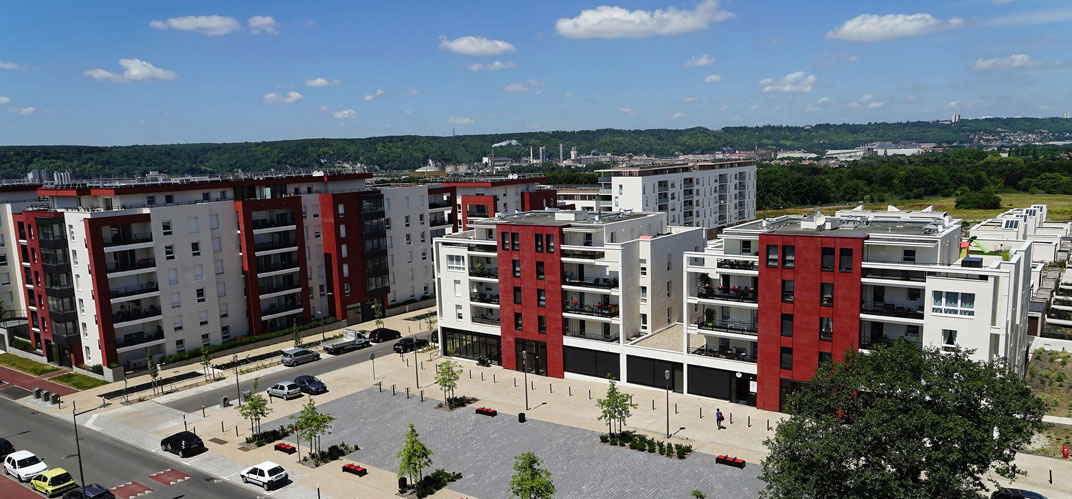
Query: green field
(1060, 207)
(26, 365)
(78, 381)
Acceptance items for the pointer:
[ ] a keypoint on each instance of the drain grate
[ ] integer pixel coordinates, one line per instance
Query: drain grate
(217, 441)
(14, 392)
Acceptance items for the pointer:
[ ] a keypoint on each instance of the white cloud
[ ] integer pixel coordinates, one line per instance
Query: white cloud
(475, 45)
(345, 114)
(1032, 18)
(953, 104)
(676, 116)
(567, 94)
(321, 82)
(8, 65)
(25, 111)
(206, 25)
(263, 24)
(4, 100)
(133, 70)
(516, 87)
(695, 62)
(1014, 61)
(375, 94)
(405, 112)
(689, 98)
(411, 91)
(536, 86)
(290, 98)
(495, 66)
(459, 120)
(712, 79)
(615, 22)
(628, 111)
(819, 104)
(874, 28)
(792, 83)
(323, 108)
(867, 101)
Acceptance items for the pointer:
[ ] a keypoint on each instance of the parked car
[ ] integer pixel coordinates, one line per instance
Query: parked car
(285, 390)
(1004, 493)
(311, 384)
(382, 334)
(296, 356)
(409, 344)
(351, 340)
(6, 447)
(183, 443)
(91, 491)
(266, 474)
(24, 465)
(53, 482)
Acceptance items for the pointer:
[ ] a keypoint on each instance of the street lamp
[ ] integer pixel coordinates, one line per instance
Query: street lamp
(416, 369)
(525, 364)
(666, 374)
(372, 358)
(238, 387)
(77, 446)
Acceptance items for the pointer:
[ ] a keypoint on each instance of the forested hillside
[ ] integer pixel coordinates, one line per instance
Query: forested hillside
(407, 152)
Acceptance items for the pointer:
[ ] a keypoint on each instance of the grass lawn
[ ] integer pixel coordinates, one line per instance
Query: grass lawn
(1049, 374)
(78, 381)
(1051, 440)
(26, 365)
(1060, 207)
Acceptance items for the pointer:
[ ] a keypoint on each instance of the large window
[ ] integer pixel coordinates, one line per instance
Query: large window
(515, 241)
(456, 262)
(789, 257)
(539, 243)
(953, 303)
(517, 268)
(787, 291)
(550, 243)
(517, 295)
(845, 263)
(826, 294)
(591, 362)
(539, 270)
(787, 358)
(826, 328)
(772, 255)
(787, 325)
(828, 260)
(505, 241)
(469, 345)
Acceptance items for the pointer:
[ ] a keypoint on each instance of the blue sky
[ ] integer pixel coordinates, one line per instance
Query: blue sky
(108, 73)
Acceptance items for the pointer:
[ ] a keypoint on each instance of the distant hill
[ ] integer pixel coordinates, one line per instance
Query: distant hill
(411, 151)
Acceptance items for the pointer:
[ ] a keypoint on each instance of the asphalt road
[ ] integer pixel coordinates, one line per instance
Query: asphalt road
(105, 460)
(327, 363)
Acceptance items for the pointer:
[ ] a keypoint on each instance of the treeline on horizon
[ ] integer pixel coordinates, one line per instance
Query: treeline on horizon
(410, 151)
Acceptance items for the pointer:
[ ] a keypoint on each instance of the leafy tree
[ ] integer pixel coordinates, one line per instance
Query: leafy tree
(295, 333)
(614, 407)
(414, 456)
(153, 372)
(901, 423)
(697, 494)
(447, 375)
(206, 363)
(978, 201)
(378, 311)
(529, 480)
(255, 409)
(313, 423)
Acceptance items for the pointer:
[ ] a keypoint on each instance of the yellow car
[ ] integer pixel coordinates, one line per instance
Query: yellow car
(53, 482)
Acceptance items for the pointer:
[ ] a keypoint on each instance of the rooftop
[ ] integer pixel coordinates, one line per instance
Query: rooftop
(849, 226)
(564, 217)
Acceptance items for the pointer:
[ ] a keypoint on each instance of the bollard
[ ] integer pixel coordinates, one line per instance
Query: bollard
(731, 418)
(1051, 475)
(675, 407)
(380, 384)
(481, 375)
(749, 420)
(701, 412)
(532, 385)
(653, 404)
(235, 430)
(221, 427)
(202, 411)
(407, 362)
(195, 430)
(470, 374)
(407, 392)
(550, 388)
(570, 390)
(422, 365)
(515, 382)
(184, 427)
(493, 378)
(768, 424)
(392, 390)
(422, 395)
(589, 394)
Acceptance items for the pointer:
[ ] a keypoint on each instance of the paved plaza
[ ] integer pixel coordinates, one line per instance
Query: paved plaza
(482, 449)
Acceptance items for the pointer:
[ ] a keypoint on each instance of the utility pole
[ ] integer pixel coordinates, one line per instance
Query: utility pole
(77, 445)
(238, 386)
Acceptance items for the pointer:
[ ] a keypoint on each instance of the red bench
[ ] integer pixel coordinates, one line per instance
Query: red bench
(355, 469)
(730, 461)
(282, 447)
(487, 411)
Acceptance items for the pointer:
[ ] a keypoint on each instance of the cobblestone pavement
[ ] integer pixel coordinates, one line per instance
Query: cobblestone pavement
(482, 449)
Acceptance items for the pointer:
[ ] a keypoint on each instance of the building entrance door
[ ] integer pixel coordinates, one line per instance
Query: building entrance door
(534, 357)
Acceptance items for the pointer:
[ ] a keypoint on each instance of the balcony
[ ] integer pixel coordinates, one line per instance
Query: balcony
(597, 310)
(595, 282)
(279, 287)
(485, 272)
(276, 310)
(139, 264)
(134, 314)
(277, 266)
(725, 354)
(126, 239)
(736, 327)
(582, 254)
(268, 223)
(891, 310)
(868, 342)
(893, 274)
(606, 336)
(149, 287)
(439, 222)
(489, 321)
(439, 204)
(274, 245)
(486, 298)
(139, 338)
(737, 264)
(735, 293)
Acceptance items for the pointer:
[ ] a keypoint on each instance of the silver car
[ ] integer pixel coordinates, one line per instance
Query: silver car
(296, 356)
(285, 390)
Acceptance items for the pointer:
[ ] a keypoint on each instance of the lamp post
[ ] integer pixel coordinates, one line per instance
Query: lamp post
(238, 386)
(372, 358)
(666, 374)
(77, 445)
(525, 364)
(416, 368)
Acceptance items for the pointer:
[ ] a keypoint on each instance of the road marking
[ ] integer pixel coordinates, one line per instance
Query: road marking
(169, 476)
(130, 489)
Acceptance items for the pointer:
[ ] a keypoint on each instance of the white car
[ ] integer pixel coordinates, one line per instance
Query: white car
(24, 465)
(285, 390)
(266, 474)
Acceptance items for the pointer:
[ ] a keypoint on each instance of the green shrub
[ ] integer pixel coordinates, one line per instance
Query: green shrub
(651, 446)
(22, 344)
(662, 448)
(242, 340)
(267, 437)
(604, 438)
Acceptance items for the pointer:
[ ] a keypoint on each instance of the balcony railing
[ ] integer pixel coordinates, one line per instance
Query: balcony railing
(439, 204)
(588, 255)
(491, 273)
(439, 222)
(737, 264)
(867, 340)
(491, 321)
(279, 286)
(265, 223)
(891, 310)
(273, 245)
(141, 263)
(132, 339)
(276, 308)
(738, 327)
(595, 282)
(735, 293)
(484, 298)
(899, 275)
(148, 287)
(597, 310)
(272, 267)
(593, 335)
(130, 239)
(725, 354)
(127, 315)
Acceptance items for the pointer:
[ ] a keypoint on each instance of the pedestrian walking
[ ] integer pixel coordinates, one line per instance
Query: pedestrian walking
(719, 418)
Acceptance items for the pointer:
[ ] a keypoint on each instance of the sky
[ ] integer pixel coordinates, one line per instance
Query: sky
(135, 72)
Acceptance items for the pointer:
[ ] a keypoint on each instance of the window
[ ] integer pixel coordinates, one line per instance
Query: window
(550, 243)
(643, 294)
(909, 256)
(217, 245)
(387, 223)
(219, 266)
(789, 257)
(173, 276)
(787, 291)
(204, 340)
(517, 295)
(214, 221)
(458, 312)
(669, 289)
(539, 243)
(746, 247)
(541, 323)
(225, 333)
(772, 255)
(828, 260)
(953, 303)
(193, 225)
(195, 248)
(505, 241)
(643, 270)
(643, 321)
(456, 263)
(406, 220)
(517, 321)
(826, 294)
(949, 339)
(541, 298)
(342, 209)
(346, 289)
(165, 227)
(517, 268)
(826, 328)
(539, 271)
(787, 325)
(515, 241)
(787, 358)
(150, 200)
(825, 357)
(420, 218)
(342, 230)
(169, 198)
(200, 295)
(169, 252)
(913, 294)
(176, 302)
(199, 273)
(204, 317)
(223, 310)
(845, 263)
(346, 270)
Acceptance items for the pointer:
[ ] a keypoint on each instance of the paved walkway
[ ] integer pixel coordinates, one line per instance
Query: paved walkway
(482, 448)
(29, 382)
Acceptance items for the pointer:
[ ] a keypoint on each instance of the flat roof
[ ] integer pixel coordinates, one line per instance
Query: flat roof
(563, 218)
(847, 227)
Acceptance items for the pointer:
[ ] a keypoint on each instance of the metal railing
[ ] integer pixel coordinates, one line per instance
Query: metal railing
(484, 298)
(587, 255)
(491, 273)
(279, 286)
(148, 287)
(132, 339)
(272, 267)
(899, 275)
(486, 320)
(595, 282)
(274, 245)
(738, 327)
(141, 263)
(727, 263)
(891, 310)
(710, 352)
(274, 309)
(593, 310)
(146, 237)
(747, 295)
(592, 335)
(434, 205)
(267, 223)
(127, 315)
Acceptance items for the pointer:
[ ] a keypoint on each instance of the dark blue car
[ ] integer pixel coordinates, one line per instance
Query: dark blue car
(311, 385)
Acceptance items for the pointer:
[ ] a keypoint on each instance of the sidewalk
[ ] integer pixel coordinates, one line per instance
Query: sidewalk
(29, 381)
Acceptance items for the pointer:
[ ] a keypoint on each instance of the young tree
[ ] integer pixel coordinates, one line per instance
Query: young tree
(206, 364)
(313, 423)
(607, 406)
(377, 310)
(415, 456)
(901, 422)
(623, 408)
(153, 372)
(530, 481)
(447, 375)
(295, 333)
(255, 409)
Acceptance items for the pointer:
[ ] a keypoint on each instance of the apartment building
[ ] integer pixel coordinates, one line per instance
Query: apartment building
(706, 194)
(1051, 240)
(581, 290)
(14, 197)
(479, 198)
(415, 214)
(583, 198)
(770, 299)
